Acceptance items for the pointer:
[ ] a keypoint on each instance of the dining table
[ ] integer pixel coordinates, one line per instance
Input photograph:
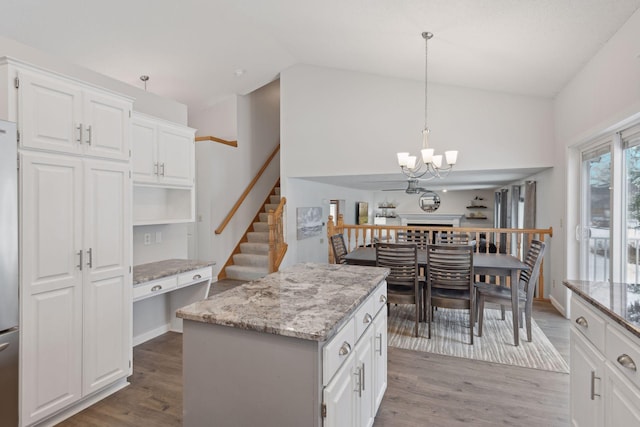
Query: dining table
(488, 264)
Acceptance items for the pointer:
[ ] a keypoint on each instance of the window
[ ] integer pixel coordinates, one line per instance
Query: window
(610, 209)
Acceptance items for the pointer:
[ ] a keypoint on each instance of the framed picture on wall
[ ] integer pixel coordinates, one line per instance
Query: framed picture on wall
(362, 213)
(308, 222)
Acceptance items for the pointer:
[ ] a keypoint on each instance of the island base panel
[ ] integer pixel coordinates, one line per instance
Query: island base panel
(238, 377)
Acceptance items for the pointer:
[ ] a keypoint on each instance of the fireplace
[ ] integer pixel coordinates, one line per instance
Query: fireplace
(433, 220)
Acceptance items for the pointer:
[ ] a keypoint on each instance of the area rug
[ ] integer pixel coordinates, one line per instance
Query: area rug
(450, 337)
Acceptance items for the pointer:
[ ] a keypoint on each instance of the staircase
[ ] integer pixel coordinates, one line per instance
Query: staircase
(252, 260)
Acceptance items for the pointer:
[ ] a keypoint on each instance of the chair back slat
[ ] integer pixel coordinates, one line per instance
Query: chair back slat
(450, 237)
(450, 266)
(533, 260)
(339, 248)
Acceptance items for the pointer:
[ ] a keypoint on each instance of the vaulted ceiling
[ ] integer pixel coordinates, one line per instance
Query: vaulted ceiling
(192, 49)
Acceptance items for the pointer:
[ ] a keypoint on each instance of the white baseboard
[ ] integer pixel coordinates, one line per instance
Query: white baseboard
(558, 306)
(83, 404)
(146, 336)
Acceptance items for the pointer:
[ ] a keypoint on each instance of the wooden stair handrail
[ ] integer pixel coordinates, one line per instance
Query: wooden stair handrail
(246, 192)
(233, 143)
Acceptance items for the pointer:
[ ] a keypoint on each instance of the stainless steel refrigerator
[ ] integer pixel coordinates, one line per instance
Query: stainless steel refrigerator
(9, 313)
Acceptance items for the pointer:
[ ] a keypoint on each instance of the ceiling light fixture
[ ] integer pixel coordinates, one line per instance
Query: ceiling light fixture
(144, 79)
(412, 166)
(239, 72)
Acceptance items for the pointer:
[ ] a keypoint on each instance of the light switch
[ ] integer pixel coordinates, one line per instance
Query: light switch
(147, 238)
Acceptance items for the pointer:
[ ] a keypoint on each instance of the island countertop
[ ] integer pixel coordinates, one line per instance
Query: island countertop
(619, 301)
(308, 301)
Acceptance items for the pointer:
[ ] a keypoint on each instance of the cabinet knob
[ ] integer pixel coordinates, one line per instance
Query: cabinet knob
(383, 298)
(345, 349)
(156, 288)
(367, 318)
(626, 361)
(593, 385)
(197, 276)
(582, 321)
(3, 346)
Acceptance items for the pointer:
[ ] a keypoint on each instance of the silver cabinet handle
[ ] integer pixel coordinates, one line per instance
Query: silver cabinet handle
(367, 318)
(4, 346)
(593, 385)
(79, 129)
(156, 288)
(197, 276)
(358, 376)
(626, 361)
(383, 298)
(90, 254)
(80, 265)
(362, 373)
(155, 169)
(89, 135)
(582, 321)
(345, 349)
(379, 337)
(162, 167)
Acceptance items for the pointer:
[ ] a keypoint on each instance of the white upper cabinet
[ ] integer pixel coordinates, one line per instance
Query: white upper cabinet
(61, 115)
(163, 152)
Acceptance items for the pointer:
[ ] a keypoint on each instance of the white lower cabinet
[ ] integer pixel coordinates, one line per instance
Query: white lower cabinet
(75, 280)
(353, 395)
(605, 383)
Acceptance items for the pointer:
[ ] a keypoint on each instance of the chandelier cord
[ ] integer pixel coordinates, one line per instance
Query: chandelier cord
(426, 36)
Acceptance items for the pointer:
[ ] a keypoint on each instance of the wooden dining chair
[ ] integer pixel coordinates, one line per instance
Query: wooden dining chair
(450, 281)
(339, 248)
(450, 237)
(526, 287)
(403, 284)
(417, 237)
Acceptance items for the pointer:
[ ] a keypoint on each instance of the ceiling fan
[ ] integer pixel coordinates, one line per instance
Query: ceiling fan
(412, 187)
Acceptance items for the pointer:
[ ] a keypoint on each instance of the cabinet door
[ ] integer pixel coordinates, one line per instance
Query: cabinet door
(622, 401)
(144, 150)
(106, 126)
(586, 388)
(379, 358)
(366, 367)
(175, 155)
(51, 284)
(340, 396)
(107, 290)
(49, 113)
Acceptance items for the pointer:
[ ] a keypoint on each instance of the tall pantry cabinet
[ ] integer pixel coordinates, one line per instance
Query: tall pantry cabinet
(75, 239)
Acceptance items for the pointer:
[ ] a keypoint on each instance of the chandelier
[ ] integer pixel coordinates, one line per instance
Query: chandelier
(416, 167)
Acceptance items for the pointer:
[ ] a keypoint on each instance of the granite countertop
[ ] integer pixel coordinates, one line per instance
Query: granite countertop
(308, 301)
(619, 301)
(169, 267)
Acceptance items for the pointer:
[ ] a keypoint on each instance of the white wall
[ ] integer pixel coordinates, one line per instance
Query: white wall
(603, 95)
(223, 172)
(338, 122)
(219, 120)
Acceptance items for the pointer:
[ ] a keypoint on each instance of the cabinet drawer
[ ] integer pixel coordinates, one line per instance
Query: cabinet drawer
(194, 276)
(588, 322)
(156, 287)
(380, 297)
(337, 350)
(364, 316)
(624, 353)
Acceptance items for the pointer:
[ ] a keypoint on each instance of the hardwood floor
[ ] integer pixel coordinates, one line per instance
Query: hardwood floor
(423, 388)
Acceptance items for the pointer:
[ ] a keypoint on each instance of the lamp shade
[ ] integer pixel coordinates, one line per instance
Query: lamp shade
(411, 162)
(402, 158)
(427, 155)
(451, 156)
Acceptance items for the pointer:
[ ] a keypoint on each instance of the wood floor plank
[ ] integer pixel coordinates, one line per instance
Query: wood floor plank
(423, 388)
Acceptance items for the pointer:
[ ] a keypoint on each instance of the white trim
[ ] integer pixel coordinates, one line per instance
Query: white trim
(146, 336)
(559, 307)
(83, 404)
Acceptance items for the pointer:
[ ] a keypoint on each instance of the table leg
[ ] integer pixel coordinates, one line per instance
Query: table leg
(514, 306)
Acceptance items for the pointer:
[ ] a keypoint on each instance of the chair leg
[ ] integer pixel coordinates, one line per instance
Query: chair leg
(472, 322)
(480, 314)
(417, 317)
(502, 311)
(527, 315)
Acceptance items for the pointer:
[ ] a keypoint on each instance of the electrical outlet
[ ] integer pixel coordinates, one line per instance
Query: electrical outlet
(147, 238)
(158, 237)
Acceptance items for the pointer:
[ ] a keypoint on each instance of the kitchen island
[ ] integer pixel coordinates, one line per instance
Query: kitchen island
(305, 346)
